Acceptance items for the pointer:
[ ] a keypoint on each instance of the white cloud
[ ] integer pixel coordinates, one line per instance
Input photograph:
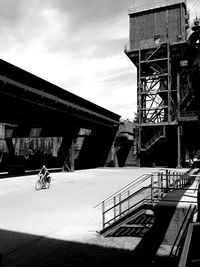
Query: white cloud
(85, 58)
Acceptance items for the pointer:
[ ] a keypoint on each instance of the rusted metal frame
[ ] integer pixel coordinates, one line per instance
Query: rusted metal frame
(162, 81)
(154, 52)
(157, 124)
(159, 107)
(152, 188)
(157, 101)
(157, 115)
(150, 108)
(169, 82)
(157, 75)
(156, 108)
(139, 104)
(139, 86)
(153, 84)
(154, 95)
(153, 60)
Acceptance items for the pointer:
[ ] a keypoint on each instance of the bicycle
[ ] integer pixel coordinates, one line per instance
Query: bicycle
(43, 182)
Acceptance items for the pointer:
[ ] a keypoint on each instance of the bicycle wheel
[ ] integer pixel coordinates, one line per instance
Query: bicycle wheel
(47, 184)
(38, 185)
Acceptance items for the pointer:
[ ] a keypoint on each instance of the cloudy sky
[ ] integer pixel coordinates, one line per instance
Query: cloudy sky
(75, 44)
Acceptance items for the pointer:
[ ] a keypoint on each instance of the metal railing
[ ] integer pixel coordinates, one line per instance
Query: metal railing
(186, 114)
(178, 244)
(160, 134)
(185, 259)
(148, 188)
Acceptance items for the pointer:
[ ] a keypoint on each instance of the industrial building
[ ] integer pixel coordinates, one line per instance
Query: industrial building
(164, 47)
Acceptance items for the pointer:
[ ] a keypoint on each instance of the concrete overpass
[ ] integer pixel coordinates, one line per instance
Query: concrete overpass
(31, 106)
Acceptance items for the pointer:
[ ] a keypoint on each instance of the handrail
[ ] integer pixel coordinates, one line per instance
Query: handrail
(125, 199)
(132, 183)
(182, 232)
(125, 211)
(187, 244)
(129, 197)
(157, 136)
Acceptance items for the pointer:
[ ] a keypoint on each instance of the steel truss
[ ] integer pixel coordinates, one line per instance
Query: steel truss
(155, 101)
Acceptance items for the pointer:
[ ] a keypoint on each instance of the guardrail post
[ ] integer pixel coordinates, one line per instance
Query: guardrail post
(114, 204)
(174, 178)
(167, 180)
(128, 195)
(103, 214)
(159, 185)
(177, 178)
(120, 205)
(152, 188)
(161, 181)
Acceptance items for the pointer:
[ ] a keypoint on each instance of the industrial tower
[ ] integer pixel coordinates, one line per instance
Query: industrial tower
(165, 51)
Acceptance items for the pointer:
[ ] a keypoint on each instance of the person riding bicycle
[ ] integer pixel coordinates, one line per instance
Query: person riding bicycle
(44, 174)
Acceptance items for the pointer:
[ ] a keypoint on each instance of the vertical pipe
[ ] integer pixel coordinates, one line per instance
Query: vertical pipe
(178, 96)
(169, 81)
(179, 146)
(139, 106)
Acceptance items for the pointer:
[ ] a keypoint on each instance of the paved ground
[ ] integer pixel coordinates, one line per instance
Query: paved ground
(57, 227)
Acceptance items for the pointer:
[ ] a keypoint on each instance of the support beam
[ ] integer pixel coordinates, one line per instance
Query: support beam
(179, 146)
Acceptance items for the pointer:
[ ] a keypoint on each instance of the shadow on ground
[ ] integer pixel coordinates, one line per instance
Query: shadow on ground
(20, 249)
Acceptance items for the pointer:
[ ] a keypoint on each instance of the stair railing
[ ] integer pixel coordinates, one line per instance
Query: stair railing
(147, 188)
(160, 134)
(186, 256)
(179, 241)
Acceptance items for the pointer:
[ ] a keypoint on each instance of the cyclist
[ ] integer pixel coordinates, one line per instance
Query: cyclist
(44, 174)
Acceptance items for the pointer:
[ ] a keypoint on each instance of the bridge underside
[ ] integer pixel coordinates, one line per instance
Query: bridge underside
(33, 110)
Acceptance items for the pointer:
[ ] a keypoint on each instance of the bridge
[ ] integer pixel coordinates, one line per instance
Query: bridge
(31, 107)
